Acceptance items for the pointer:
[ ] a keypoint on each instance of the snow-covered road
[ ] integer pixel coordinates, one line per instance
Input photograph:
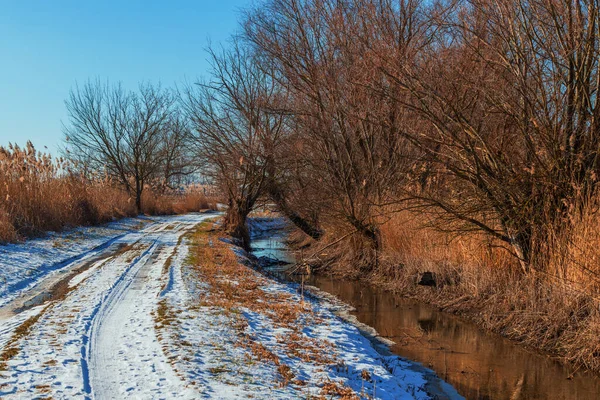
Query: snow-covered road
(95, 337)
(131, 317)
(122, 349)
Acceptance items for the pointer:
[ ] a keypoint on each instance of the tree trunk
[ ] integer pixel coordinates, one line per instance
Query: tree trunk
(138, 200)
(369, 245)
(521, 243)
(522, 257)
(235, 223)
(302, 223)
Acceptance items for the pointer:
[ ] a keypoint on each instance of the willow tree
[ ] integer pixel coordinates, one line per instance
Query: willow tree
(235, 133)
(506, 96)
(349, 138)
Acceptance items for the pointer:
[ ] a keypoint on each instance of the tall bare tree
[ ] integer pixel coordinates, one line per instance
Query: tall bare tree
(350, 136)
(236, 134)
(504, 101)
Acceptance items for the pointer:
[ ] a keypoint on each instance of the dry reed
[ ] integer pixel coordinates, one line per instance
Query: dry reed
(555, 309)
(39, 194)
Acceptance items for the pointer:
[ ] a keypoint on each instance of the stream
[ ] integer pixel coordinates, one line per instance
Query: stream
(479, 364)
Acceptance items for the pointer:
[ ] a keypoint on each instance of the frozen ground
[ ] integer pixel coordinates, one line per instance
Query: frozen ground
(118, 312)
(23, 265)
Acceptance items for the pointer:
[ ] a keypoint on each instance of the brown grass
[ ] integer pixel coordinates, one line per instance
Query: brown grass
(341, 391)
(11, 349)
(169, 204)
(555, 309)
(39, 194)
(234, 287)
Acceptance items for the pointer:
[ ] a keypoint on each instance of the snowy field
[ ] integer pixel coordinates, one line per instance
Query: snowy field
(133, 310)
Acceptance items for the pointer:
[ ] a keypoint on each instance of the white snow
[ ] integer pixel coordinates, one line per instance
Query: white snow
(23, 265)
(102, 332)
(103, 339)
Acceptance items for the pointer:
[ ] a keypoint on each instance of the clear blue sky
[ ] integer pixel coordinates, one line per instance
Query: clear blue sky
(46, 47)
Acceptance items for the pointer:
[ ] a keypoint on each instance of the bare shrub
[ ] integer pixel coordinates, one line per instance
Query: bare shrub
(193, 201)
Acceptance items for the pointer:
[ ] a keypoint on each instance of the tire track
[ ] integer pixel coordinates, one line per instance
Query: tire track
(98, 340)
(104, 307)
(121, 356)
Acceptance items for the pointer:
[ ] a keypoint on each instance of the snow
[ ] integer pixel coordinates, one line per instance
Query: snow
(122, 349)
(23, 265)
(228, 371)
(107, 337)
(99, 341)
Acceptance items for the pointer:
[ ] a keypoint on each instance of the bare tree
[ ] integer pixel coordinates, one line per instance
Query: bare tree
(506, 97)
(120, 132)
(482, 114)
(236, 135)
(178, 163)
(350, 136)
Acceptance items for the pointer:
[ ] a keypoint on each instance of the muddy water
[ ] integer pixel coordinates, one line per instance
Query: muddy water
(478, 364)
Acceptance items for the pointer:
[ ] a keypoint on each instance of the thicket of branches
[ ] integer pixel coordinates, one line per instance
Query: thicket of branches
(481, 115)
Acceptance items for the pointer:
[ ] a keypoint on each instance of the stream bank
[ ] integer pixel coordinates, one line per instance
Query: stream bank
(479, 364)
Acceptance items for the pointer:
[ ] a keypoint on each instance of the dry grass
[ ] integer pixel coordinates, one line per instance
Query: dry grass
(555, 309)
(39, 194)
(154, 204)
(234, 287)
(338, 390)
(11, 349)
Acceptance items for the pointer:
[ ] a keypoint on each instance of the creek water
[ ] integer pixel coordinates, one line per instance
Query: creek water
(480, 365)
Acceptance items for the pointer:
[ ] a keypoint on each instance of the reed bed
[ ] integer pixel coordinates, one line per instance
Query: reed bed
(555, 308)
(39, 193)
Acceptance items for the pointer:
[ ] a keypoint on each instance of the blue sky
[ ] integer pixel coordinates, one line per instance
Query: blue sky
(46, 47)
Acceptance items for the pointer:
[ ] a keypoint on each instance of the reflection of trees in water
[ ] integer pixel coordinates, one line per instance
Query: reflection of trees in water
(479, 365)
(427, 325)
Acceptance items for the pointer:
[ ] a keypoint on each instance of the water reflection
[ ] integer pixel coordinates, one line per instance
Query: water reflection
(272, 249)
(478, 364)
